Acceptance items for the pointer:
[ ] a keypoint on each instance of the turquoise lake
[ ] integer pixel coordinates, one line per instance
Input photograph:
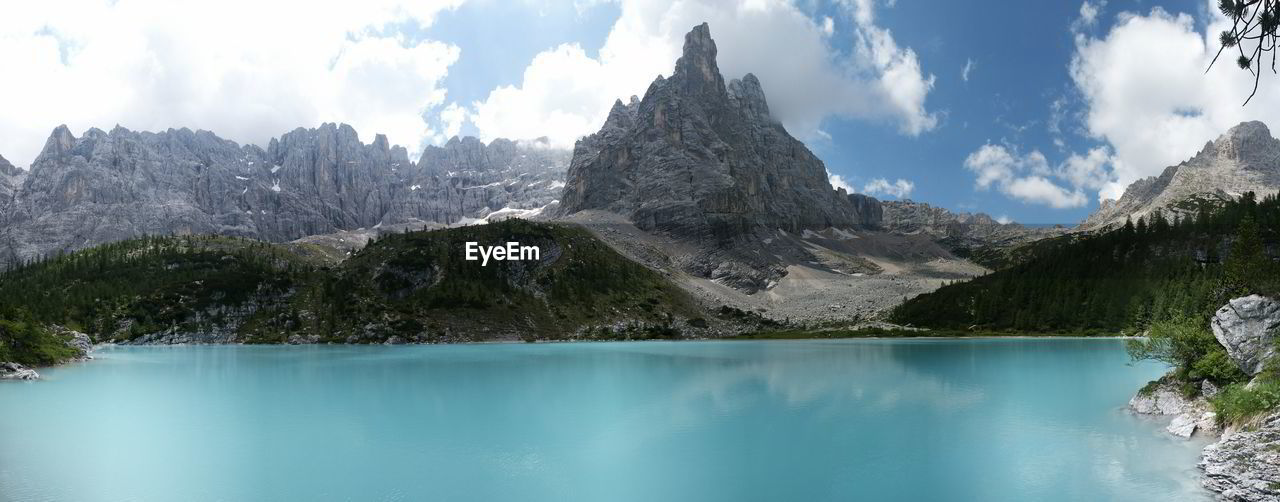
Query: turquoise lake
(874, 420)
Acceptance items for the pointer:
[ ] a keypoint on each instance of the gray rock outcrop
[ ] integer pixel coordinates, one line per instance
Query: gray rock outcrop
(76, 340)
(1244, 465)
(1247, 328)
(1245, 159)
(15, 371)
(109, 186)
(1164, 398)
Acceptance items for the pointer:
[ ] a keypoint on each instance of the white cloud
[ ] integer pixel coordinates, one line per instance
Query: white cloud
(1147, 95)
(452, 118)
(1089, 171)
(566, 92)
(245, 69)
(901, 78)
(1004, 219)
(1089, 12)
(1026, 177)
(839, 182)
(967, 69)
(1057, 114)
(1038, 189)
(898, 189)
(828, 25)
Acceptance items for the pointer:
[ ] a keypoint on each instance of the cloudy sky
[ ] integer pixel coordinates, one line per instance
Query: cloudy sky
(1032, 111)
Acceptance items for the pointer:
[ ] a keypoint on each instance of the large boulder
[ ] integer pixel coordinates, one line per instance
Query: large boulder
(1163, 398)
(1247, 327)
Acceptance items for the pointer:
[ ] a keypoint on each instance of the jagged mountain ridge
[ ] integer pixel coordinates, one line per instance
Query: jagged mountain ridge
(1246, 158)
(110, 186)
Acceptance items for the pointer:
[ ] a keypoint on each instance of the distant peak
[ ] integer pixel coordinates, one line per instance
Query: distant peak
(1244, 141)
(62, 130)
(699, 37)
(1251, 129)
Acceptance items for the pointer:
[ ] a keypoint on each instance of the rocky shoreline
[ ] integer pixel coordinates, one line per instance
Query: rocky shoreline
(15, 371)
(1190, 416)
(80, 342)
(1244, 463)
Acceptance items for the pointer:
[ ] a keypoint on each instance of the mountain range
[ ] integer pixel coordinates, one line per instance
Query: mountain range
(110, 186)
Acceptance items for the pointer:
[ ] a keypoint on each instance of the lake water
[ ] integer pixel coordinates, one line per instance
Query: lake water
(875, 420)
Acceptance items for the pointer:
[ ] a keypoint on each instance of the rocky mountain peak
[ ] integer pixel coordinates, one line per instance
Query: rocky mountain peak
(1246, 140)
(1246, 158)
(1252, 129)
(748, 96)
(706, 163)
(60, 141)
(696, 72)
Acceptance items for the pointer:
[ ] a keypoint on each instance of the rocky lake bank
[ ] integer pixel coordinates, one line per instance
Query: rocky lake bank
(1243, 464)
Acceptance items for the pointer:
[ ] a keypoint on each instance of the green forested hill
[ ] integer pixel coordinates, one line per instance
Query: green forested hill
(407, 287)
(119, 291)
(419, 282)
(1122, 279)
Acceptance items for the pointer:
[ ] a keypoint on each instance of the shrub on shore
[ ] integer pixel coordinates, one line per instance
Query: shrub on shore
(28, 343)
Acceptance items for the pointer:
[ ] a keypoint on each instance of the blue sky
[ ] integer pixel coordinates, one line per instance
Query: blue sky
(1064, 102)
(1019, 85)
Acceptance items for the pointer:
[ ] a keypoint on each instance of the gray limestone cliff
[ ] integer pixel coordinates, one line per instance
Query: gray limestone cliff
(109, 186)
(1245, 159)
